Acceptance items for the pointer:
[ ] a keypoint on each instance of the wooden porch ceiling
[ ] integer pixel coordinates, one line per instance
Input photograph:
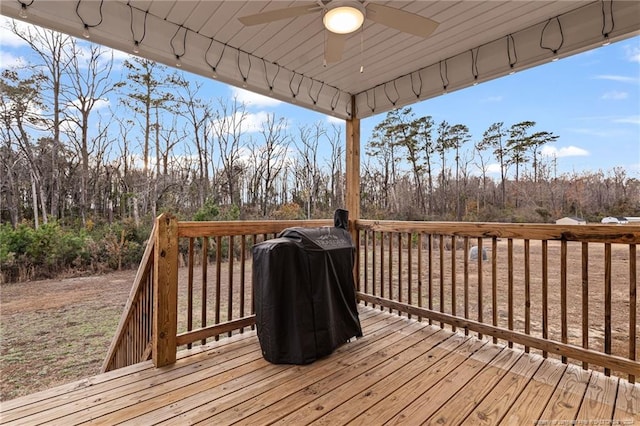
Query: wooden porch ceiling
(401, 371)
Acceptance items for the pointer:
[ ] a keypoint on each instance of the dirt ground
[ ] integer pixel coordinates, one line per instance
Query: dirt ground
(57, 331)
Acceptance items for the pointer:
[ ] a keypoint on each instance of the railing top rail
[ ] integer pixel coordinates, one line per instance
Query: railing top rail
(624, 234)
(243, 227)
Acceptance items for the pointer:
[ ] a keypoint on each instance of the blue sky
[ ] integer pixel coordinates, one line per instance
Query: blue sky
(591, 101)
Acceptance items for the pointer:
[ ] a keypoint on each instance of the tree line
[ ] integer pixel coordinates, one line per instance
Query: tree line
(167, 147)
(81, 179)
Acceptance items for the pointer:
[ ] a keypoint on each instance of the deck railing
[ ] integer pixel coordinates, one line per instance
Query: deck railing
(200, 274)
(132, 341)
(216, 294)
(566, 291)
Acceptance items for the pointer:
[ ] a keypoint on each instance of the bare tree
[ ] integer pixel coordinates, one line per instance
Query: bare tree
(272, 157)
(382, 149)
(20, 106)
(308, 169)
(90, 82)
(336, 160)
(51, 47)
(459, 136)
(198, 114)
(228, 128)
(483, 165)
(148, 91)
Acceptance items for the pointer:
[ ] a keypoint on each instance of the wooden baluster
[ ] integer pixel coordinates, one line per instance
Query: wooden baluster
(382, 281)
(365, 253)
(510, 286)
(390, 294)
(420, 304)
(527, 289)
(204, 266)
(430, 276)
(243, 249)
(494, 284)
(409, 269)
(466, 281)
(190, 290)
(253, 300)
(563, 293)
(230, 282)
(373, 263)
(400, 268)
(607, 302)
(545, 292)
(453, 277)
(356, 266)
(218, 280)
(441, 252)
(633, 313)
(480, 304)
(585, 299)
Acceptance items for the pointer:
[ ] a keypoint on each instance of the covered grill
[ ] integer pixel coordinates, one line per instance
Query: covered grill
(305, 299)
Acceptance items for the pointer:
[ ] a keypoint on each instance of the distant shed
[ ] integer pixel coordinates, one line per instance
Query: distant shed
(571, 220)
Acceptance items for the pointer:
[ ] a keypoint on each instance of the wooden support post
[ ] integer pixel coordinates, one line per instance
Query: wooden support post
(353, 182)
(353, 167)
(165, 291)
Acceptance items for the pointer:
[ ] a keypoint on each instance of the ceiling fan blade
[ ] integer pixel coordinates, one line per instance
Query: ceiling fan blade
(278, 14)
(335, 46)
(401, 20)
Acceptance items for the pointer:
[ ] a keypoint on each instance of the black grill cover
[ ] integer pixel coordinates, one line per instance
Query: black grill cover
(305, 299)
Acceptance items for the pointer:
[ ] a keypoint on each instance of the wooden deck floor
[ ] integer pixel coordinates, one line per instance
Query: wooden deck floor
(401, 371)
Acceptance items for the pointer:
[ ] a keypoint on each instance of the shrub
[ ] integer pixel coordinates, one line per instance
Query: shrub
(290, 211)
(27, 253)
(209, 211)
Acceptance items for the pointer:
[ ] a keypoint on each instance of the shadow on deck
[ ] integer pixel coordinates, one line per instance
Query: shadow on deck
(401, 371)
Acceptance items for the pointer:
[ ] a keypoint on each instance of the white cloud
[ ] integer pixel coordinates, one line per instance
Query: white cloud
(493, 168)
(7, 60)
(628, 120)
(69, 126)
(253, 122)
(567, 151)
(615, 95)
(101, 104)
(600, 132)
(493, 99)
(98, 105)
(618, 78)
(334, 120)
(7, 37)
(253, 99)
(246, 123)
(632, 52)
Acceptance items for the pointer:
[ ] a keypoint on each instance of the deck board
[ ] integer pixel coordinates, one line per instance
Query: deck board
(495, 404)
(401, 372)
(535, 396)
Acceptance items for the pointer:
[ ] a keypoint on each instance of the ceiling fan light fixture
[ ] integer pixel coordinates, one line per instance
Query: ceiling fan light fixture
(344, 18)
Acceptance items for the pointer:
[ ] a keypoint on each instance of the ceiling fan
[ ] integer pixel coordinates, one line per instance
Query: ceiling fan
(341, 18)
